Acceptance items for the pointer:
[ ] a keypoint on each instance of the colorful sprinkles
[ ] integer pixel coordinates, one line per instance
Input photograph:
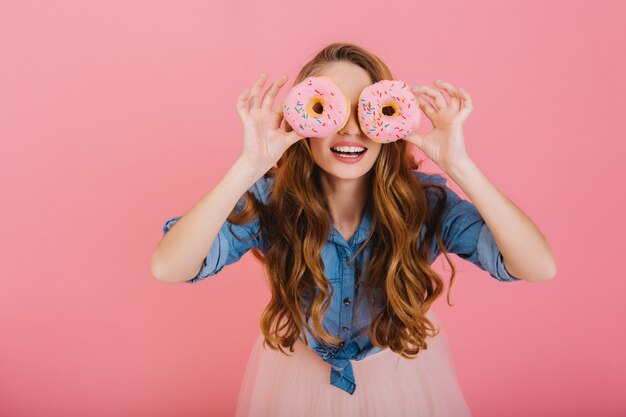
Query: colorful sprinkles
(379, 126)
(298, 104)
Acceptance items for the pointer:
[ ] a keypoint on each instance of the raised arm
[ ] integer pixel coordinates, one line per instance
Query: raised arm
(527, 253)
(182, 251)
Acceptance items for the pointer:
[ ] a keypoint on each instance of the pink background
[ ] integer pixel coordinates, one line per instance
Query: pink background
(115, 116)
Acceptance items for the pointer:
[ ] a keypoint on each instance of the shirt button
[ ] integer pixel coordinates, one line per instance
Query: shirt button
(342, 343)
(346, 301)
(345, 328)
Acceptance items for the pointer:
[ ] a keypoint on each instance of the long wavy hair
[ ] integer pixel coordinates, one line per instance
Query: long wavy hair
(398, 281)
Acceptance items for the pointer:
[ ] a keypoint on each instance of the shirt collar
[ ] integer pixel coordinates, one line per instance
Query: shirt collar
(361, 232)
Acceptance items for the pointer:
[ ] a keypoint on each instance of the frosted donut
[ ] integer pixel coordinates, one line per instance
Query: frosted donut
(316, 107)
(388, 111)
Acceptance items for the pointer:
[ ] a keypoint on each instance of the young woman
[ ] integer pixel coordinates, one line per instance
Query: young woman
(347, 246)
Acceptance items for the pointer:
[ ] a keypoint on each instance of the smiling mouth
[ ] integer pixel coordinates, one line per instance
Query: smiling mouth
(351, 152)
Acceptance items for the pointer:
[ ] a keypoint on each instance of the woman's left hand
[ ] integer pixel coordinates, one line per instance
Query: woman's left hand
(444, 143)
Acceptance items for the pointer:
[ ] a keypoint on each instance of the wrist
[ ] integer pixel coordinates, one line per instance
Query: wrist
(460, 168)
(243, 166)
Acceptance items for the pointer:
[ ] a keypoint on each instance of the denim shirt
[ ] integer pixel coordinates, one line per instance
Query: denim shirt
(464, 233)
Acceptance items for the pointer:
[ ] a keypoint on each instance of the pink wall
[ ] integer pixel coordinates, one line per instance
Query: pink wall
(115, 116)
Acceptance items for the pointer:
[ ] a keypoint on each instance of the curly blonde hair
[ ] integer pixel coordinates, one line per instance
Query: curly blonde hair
(398, 282)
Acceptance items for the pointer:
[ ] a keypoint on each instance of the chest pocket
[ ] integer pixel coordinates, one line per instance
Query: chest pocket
(332, 263)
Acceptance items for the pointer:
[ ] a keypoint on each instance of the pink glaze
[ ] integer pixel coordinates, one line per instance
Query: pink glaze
(383, 128)
(298, 111)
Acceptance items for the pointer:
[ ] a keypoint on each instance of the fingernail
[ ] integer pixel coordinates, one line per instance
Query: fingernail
(439, 81)
(461, 88)
(416, 86)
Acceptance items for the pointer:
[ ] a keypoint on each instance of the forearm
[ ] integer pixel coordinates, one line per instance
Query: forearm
(182, 249)
(525, 251)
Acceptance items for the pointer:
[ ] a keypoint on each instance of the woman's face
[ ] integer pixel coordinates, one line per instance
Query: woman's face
(351, 80)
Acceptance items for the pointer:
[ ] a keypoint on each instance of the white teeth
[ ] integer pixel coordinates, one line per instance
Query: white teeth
(348, 148)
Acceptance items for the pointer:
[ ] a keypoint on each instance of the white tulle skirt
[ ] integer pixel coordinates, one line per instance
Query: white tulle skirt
(387, 384)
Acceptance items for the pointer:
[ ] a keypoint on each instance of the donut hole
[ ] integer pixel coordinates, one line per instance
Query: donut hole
(315, 108)
(318, 108)
(389, 109)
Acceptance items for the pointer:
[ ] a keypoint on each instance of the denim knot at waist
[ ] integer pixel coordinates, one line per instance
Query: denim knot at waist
(341, 373)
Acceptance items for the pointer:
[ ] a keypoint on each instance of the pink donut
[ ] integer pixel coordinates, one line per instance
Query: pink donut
(316, 107)
(388, 111)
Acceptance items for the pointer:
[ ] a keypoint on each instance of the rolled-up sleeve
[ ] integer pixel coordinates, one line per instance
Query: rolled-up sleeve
(490, 257)
(227, 247)
(226, 250)
(466, 234)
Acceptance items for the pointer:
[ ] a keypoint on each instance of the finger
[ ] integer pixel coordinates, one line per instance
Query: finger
(293, 137)
(280, 117)
(282, 125)
(416, 139)
(436, 95)
(256, 89)
(270, 95)
(427, 107)
(467, 105)
(241, 105)
(424, 104)
(455, 100)
(285, 127)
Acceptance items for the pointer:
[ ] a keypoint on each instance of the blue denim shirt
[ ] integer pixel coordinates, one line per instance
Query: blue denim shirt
(464, 233)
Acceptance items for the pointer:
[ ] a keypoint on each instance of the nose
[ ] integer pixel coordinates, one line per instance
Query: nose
(352, 126)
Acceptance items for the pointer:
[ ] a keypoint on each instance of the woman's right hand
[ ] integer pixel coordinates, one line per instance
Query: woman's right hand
(264, 141)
